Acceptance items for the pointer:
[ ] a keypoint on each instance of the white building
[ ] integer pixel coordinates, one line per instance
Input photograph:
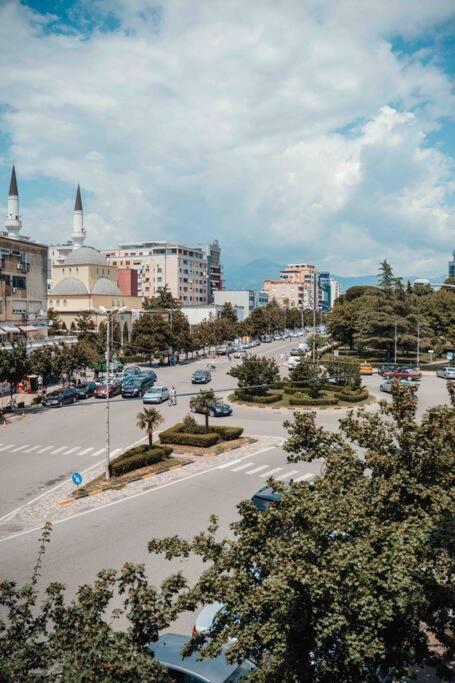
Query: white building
(335, 291)
(248, 299)
(198, 314)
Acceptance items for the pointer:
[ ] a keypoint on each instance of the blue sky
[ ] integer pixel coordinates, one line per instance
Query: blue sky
(320, 131)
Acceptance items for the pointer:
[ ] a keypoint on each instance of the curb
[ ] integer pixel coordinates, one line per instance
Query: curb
(117, 487)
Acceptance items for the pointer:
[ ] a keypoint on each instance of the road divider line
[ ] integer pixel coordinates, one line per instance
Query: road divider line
(8, 445)
(242, 467)
(71, 450)
(286, 475)
(306, 477)
(43, 450)
(270, 472)
(257, 469)
(228, 464)
(58, 450)
(94, 455)
(34, 448)
(86, 450)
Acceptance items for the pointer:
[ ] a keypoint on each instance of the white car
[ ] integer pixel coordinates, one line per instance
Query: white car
(446, 373)
(293, 362)
(156, 394)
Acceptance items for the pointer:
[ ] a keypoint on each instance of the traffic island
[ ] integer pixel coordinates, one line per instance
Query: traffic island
(294, 397)
(190, 438)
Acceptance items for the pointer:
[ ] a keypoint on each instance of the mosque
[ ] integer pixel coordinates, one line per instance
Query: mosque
(82, 279)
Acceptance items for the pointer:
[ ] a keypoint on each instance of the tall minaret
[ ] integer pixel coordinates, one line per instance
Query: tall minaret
(78, 235)
(13, 223)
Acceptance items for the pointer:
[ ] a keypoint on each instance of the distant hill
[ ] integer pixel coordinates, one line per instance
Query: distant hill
(251, 275)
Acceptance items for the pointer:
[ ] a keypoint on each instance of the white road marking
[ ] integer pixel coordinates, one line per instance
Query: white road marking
(286, 475)
(242, 467)
(33, 448)
(87, 450)
(93, 455)
(228, 464)
(71, 450)
(43, 450)
(270, 472)
(57, 450)
(8, 445)
(20, 448)
(258, 469)
(309, 475)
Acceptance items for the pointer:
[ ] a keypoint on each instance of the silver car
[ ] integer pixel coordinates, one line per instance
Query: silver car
(446, 373)
(388, 384)
(156, 395)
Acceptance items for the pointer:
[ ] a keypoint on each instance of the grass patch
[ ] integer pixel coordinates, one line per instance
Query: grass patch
(214, 450)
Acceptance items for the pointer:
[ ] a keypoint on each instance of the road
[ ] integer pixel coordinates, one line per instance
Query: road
(71, 438)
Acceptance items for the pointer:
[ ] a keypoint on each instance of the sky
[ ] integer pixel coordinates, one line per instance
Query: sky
(317, 131)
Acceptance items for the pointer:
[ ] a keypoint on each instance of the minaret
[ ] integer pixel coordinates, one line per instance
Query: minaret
(13, 223)
(78, 235)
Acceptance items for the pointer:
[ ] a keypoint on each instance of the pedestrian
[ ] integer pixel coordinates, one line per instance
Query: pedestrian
(40, 382)
(173, 396)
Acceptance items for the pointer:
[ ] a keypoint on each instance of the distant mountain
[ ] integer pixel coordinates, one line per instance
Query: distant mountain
(251, 275)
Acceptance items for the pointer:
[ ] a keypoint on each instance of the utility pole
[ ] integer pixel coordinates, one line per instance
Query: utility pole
(395, 346)
(108, 360)
(314, 318)
(418, 344)
(302, 323)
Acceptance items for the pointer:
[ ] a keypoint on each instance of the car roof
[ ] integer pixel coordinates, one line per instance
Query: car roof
(267, 493)
(167, 651)
(156, 388)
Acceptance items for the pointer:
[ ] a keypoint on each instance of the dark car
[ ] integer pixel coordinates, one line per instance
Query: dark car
(386, 367)
(404, 372)
(201, 377)
(86, 389)
(265, 497)
(60, 397)
(217, 409)
(168, 652)
(114, 390)
(137, 387)
(147, 373)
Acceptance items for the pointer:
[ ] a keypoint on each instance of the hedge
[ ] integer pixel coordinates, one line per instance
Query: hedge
(307, 401)
(268, 398)
(175, 436)
(227, 433)
(351, 397)
(138, 457)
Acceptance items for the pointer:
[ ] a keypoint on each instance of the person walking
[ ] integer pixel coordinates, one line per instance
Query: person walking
(172, 396)
(40, 382)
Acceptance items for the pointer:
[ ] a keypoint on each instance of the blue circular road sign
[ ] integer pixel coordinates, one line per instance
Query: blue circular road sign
(76, 478)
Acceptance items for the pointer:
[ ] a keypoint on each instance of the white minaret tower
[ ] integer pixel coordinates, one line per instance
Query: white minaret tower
(78, 235)
(13, 223)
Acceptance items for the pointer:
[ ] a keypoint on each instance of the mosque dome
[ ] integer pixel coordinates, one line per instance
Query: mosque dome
(69, 286)
(85, 256)
(105, 287)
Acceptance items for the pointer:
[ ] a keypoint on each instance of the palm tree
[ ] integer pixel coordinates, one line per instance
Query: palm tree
(201, 403)
(148, 420)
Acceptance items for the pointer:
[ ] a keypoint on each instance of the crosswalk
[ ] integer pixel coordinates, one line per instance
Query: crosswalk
(251, 469)
(24, 450)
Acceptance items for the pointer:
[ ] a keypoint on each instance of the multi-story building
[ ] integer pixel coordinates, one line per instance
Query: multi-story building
(248, 299)
(197, 314)
(452, 265)
(212, 251)
(289, 294)
(185, 270)
(335, 291)
(301, 285)
(23, 276)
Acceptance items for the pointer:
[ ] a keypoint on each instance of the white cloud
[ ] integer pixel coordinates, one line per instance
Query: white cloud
(284, 129)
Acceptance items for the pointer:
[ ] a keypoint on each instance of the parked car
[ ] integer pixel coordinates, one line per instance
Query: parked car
(136, 387)
(404, 372)
(201, 377)
(86, 389)
(366, 369)
(216, 409)
(147, 373)
(386, 367)
(60, 397)
(446, 373)
(114, 390)
(131, 370)
(204, 619)
(295, 352)
(156, 394)
(222, 350)
(294, 361)
(388, 384)
(265, 497)
(167, 650)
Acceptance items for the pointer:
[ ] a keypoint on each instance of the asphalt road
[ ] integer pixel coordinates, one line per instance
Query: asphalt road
(71, 438)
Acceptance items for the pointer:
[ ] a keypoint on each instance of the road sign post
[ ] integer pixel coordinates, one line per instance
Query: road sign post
(76, 478)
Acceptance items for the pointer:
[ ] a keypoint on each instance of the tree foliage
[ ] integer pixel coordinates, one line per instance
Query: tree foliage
(255, 374)
(202, 401)
(147, 420)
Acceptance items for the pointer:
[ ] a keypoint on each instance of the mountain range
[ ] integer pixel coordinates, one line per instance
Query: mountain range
(251, 275)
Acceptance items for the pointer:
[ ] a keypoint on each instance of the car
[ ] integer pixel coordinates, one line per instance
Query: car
(265, 497)
(294, 361)
(385, 367)
(115, 388)
(204, 619)
(388, 384)
(404, 372)
(295, 352)
(147, 373)
(216, 409)
(136, 387)
(365, 369)
(156, 394)
(167, 650)
(222, 350)
(446, 373)
(86, 389)
(60, 397)
(201, 377)
(239, 353)
(131, 370)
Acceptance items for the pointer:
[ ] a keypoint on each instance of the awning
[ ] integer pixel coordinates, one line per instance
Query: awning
(28, 328)
(10, 329)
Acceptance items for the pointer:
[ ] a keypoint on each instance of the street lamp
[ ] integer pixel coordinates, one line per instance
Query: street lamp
(110, 314)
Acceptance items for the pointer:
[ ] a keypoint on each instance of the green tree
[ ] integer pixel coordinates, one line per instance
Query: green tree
(310, 375)
(85, 327)
(163, 299)
(100, 340)
(346, 576)
(256, 374)
(41, 361)
(151, 335)
(58, 638)
(147, 420)
(14, 364)
(180, 332)
(55, 323)
(69, 358)
(202, 402)
(228, 312)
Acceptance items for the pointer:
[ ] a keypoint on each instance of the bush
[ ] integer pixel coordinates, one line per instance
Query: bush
(268, 398)
(190, 426)
(227, 433)
(352, 397)
(307, 401)
(175, 435)
(291, 390)
(138, 457)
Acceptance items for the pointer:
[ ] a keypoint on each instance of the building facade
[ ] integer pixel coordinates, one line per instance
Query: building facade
(289, 294)
(248, 299)
(23, 277)
(452, 265)
(197, 314)
(185, 270)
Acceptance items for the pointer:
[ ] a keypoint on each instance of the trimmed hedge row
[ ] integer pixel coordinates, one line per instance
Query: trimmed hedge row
(183, 439)
(138, 457)
(227, 433)
(307, 401)
(352, 397)
(250, 398)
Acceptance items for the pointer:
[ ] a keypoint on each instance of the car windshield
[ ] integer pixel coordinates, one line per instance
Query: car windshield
(155, 390)
(134, 383)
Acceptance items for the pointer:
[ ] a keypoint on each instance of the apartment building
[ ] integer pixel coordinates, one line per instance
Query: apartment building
(289, 294)
(248, 299)
(185, 270)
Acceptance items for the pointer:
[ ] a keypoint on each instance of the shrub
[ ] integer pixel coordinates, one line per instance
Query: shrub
(227, 433)
(190, 426)
(175, 435)
(291, 390)
(352, 397)
(138, 457)
(307, 401)
(268, 398)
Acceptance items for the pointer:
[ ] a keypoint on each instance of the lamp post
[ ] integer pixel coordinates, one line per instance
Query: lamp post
(395, 346)
(418, 344)
(110, 314)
